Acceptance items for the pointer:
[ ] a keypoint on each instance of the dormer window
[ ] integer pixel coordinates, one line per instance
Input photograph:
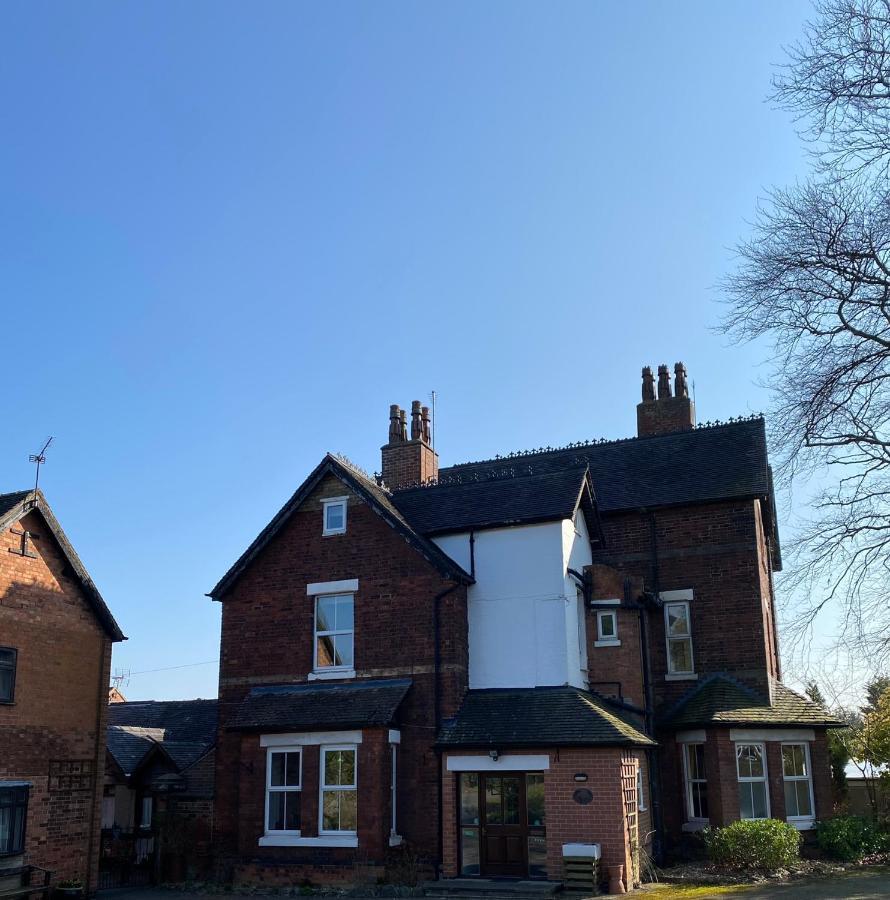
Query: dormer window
(334, 515)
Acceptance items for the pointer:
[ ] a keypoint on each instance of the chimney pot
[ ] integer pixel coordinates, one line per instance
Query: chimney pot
(648, 385)
(416, 423)
(681, 389)
(425, 417)
(664, 383)
(395, 431)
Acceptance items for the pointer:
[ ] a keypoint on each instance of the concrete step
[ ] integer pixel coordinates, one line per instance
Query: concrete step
(489, 889)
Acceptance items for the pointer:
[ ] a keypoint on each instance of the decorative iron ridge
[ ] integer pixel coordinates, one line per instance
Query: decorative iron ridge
(496, 474)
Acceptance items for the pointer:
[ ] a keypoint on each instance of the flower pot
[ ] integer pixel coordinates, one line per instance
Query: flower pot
(616, 880)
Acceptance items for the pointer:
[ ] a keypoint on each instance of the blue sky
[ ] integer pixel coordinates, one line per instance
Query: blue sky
(231, 234)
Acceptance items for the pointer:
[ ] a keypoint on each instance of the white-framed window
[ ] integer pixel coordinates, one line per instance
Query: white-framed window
(753, 791)
(284, 783)
(145, 812)
(334, 511)
(607, 626)
(641, 796)
(798, 781)
(334, 631)
(393, 824)
(678, 632)
(695, 777)
(338, 790)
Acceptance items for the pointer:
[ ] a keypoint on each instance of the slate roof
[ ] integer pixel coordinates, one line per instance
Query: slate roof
(538, 717)
(715, 462)
(376, 497)
(184, 729)
(358, 704)
(18, 504)
(535, 498)
(721, 700)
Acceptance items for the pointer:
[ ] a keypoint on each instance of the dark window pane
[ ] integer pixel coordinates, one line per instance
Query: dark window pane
(511, 801)
(537, 856)
(5, 684)
(534, 799)
(277, 773)
(348, 812)
(469, 798)
(494, 814)
(292, 775)
(292, 810)
(276, 810)
(469, 851)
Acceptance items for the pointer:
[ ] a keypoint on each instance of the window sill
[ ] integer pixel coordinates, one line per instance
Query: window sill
(607, 643)
(803, 824)
(696, 825)
(396, 840)
(681, 676)
(327, 674)
(333, 533)
(296, 840)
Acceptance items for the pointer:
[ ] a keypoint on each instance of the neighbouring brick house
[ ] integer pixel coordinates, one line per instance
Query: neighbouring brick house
(492, 666)
(157, 809)
(55, 653)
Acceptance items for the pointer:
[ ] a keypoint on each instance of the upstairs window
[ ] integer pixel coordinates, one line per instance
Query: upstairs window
(334, 632)
(751, 767)
(798, 782)
(338, 790)
(13, 814)
(283, 790)
(607, 627)
(7, 674)
(334, 516)
(678, 630)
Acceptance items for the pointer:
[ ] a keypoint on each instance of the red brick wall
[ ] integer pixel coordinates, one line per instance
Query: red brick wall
(57, 722)
(408, 463)
(267, 638)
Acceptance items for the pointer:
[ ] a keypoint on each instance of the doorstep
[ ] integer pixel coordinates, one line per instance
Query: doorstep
(490, 888)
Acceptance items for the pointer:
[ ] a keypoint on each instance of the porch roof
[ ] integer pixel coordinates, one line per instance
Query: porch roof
(721, 700)
(538, 717)
(295, 707)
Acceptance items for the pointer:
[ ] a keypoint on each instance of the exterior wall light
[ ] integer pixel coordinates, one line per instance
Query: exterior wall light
(581, 776)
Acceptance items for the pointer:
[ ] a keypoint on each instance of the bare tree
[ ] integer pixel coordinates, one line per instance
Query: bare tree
(814, 282)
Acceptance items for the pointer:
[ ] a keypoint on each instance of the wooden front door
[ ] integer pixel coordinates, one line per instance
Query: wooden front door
(504, 825)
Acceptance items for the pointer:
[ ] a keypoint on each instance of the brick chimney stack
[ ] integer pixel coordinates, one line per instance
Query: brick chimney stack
(665, 413)
(408, 462)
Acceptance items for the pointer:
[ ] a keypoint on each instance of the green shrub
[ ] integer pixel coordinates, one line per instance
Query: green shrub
(762, 844)
(851, 837)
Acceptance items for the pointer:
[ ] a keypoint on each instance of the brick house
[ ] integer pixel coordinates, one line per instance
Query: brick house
(56, 635)
(157, 807)
(492, 666)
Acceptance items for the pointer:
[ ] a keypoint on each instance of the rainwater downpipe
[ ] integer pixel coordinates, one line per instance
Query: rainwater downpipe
(437, 714)
(654, 761)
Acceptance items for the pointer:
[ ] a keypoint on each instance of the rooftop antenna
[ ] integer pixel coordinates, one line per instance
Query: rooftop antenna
(120, 679)
(39, 459)
(433, 419)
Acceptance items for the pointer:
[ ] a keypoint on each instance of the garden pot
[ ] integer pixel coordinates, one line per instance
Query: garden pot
(71, 892)
(616, 880)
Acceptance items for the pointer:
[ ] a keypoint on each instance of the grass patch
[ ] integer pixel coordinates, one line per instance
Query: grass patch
(694, 891)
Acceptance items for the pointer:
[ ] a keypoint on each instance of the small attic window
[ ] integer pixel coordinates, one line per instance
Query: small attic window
(334, 516)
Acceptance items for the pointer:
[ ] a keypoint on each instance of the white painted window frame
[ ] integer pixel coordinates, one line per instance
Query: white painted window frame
(801, 822)
(693, 820)
(604, 640)
(641, 795)
(270, 789)
(394, 837)
(331, 671)
(324, 749)
(147, 804)
(326, 504)
(668, 637)
(746, 779)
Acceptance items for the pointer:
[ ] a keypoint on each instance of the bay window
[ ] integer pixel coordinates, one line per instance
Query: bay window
(798, 783)
(283, 790)
(338, 790)
(696, 783)
(753, 792)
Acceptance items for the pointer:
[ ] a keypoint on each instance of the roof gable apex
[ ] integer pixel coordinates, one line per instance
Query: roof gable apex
(366, 491)
(14, 507)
